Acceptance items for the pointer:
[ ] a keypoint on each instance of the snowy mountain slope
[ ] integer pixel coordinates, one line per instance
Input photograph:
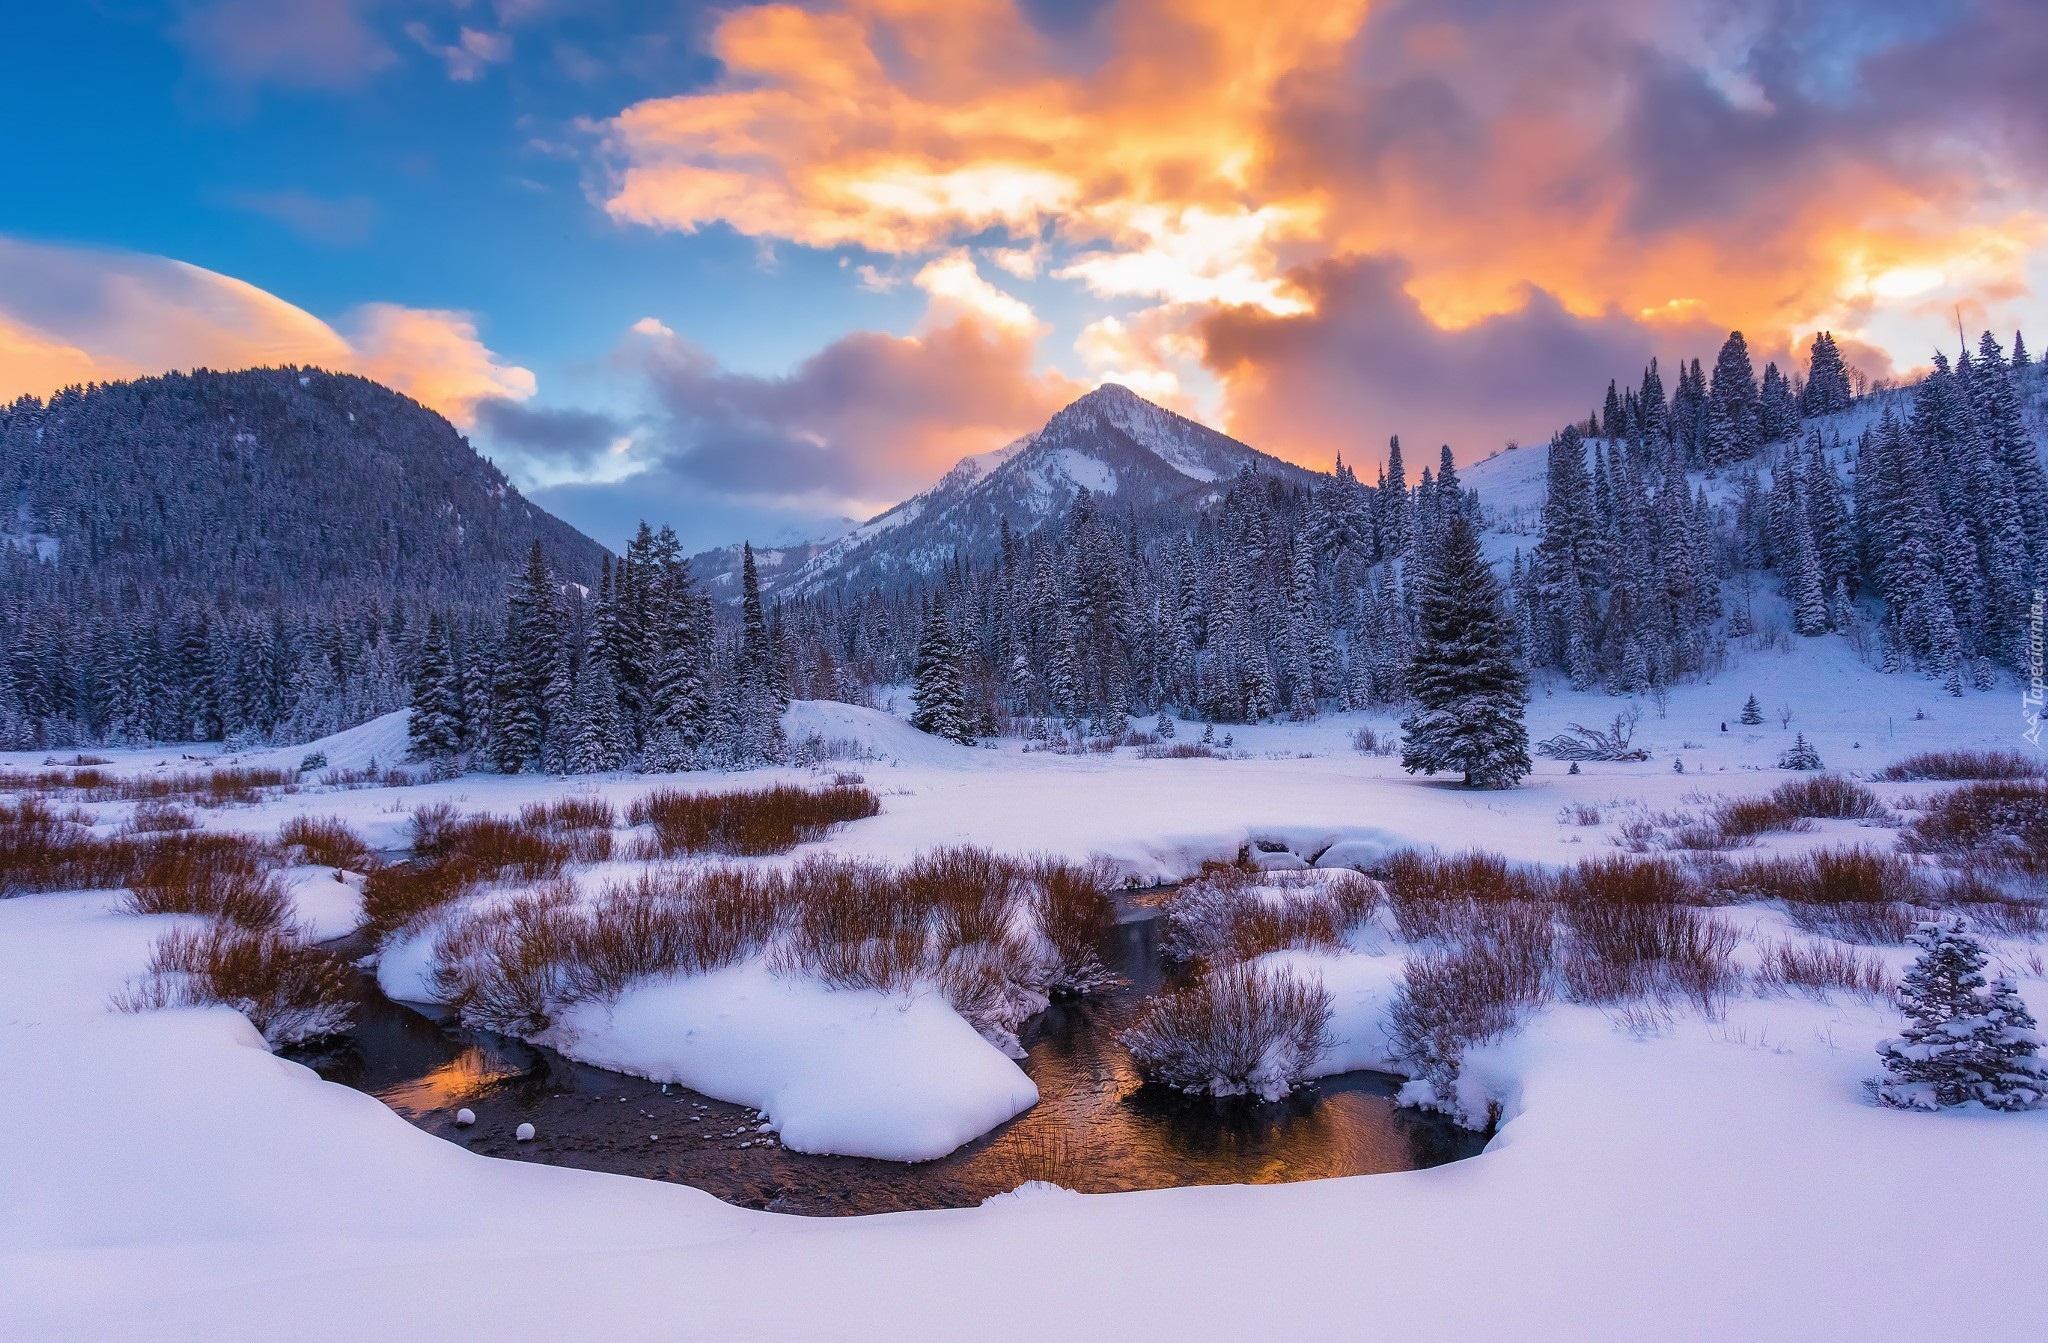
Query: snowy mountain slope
(1112, 443)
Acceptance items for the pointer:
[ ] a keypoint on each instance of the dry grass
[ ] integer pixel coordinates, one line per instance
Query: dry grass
(326, 841)
(1822, 968)
(223, 875)
(289, 991)
(1236, 1031)
(206, 788)
(1999, 826)
(1959, 765)
(749, 822)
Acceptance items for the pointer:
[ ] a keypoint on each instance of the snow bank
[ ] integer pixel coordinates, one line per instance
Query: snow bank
(325, 903)
(884, 734)
(852, 1072)
(1360, 987)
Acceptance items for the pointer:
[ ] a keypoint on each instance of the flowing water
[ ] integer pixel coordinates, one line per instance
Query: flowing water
(1096, 1128)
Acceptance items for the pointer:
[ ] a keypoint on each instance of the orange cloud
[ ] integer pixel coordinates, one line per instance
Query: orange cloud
(1673, 165)
(71, 315)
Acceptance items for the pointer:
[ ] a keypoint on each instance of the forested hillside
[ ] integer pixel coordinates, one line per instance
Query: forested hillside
(249, 553)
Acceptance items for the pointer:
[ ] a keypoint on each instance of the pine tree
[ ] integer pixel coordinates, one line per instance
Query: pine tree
(597, 736)
(1164, 728)
(1966, 1039)
(1800, 755)
(1827, 379)
(1468, 690)
(435, 728)
(936, 690)
(1752, 713)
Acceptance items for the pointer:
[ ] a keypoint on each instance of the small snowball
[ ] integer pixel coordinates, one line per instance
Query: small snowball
(465, 1117)
(524, 1133)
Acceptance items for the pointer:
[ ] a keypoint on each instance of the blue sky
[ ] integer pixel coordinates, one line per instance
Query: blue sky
(744, 269)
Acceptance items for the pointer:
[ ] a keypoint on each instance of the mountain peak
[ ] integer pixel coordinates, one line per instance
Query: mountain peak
(1110, 442)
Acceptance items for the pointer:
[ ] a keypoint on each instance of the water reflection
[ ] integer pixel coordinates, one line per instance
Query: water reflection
(1097, 1127)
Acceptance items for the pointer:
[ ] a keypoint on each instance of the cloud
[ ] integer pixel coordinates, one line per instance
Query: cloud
(70, 315)
(1368, 363)
(865, 421)
(472, 51)
(305, 43)
(345, 222)
(1677, 164)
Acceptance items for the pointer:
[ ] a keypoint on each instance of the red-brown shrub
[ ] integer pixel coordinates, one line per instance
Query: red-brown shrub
(327, 841)
(1957, 765)
(200, 872)
(2001, 826)
(747, 823)
(1235, 1031)
(289, 991)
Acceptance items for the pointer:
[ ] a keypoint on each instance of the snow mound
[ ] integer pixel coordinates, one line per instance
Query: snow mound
(850, 1072)
(884, 734)
(323, 906)
(382, 741)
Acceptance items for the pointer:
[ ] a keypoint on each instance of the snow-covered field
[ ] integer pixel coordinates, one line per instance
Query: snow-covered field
(165, 1177)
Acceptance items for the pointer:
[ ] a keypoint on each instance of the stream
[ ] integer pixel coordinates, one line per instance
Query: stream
(1097, 1127)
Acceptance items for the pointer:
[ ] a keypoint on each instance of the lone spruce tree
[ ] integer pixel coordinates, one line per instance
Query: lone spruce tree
(1469, 691)
(1966, 1039)
(936, 688)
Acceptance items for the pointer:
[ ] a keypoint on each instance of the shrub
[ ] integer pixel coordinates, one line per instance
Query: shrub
(452, 855)
(582, 822)
(1616, 951)
(1965, 765)
(1999, 825)
(1741, 819)
(848, 926)
(1239, 1030)
(667, 923)
(1829, 796)
(195, 872)
(1366, 741)
(747, 823)
(1858, 895)
(1075, 913)
(41, 851)
(1448, 1002)
(1822, 967)
(158, 818)
(504, 966)
(326, 841)
(207, 788)
(289, 991)
(1628, 881)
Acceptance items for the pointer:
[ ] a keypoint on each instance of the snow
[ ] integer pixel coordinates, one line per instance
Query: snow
(325, 903)
(1723, 1179)
(853, 1072)
(1667, 1175)
(1090, 473)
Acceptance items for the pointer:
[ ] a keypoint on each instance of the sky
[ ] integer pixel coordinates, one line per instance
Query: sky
(744, 268)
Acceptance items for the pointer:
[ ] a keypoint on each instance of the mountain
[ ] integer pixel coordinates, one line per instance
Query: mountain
(1128, 453)
(263, 488)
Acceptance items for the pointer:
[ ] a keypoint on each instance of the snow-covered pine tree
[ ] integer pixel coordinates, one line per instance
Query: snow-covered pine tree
(1800, 755)
(1827, 379)
(1966, 1038)
(936, 689)
(1752, 713)
(1469, 692)
(435, 727)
